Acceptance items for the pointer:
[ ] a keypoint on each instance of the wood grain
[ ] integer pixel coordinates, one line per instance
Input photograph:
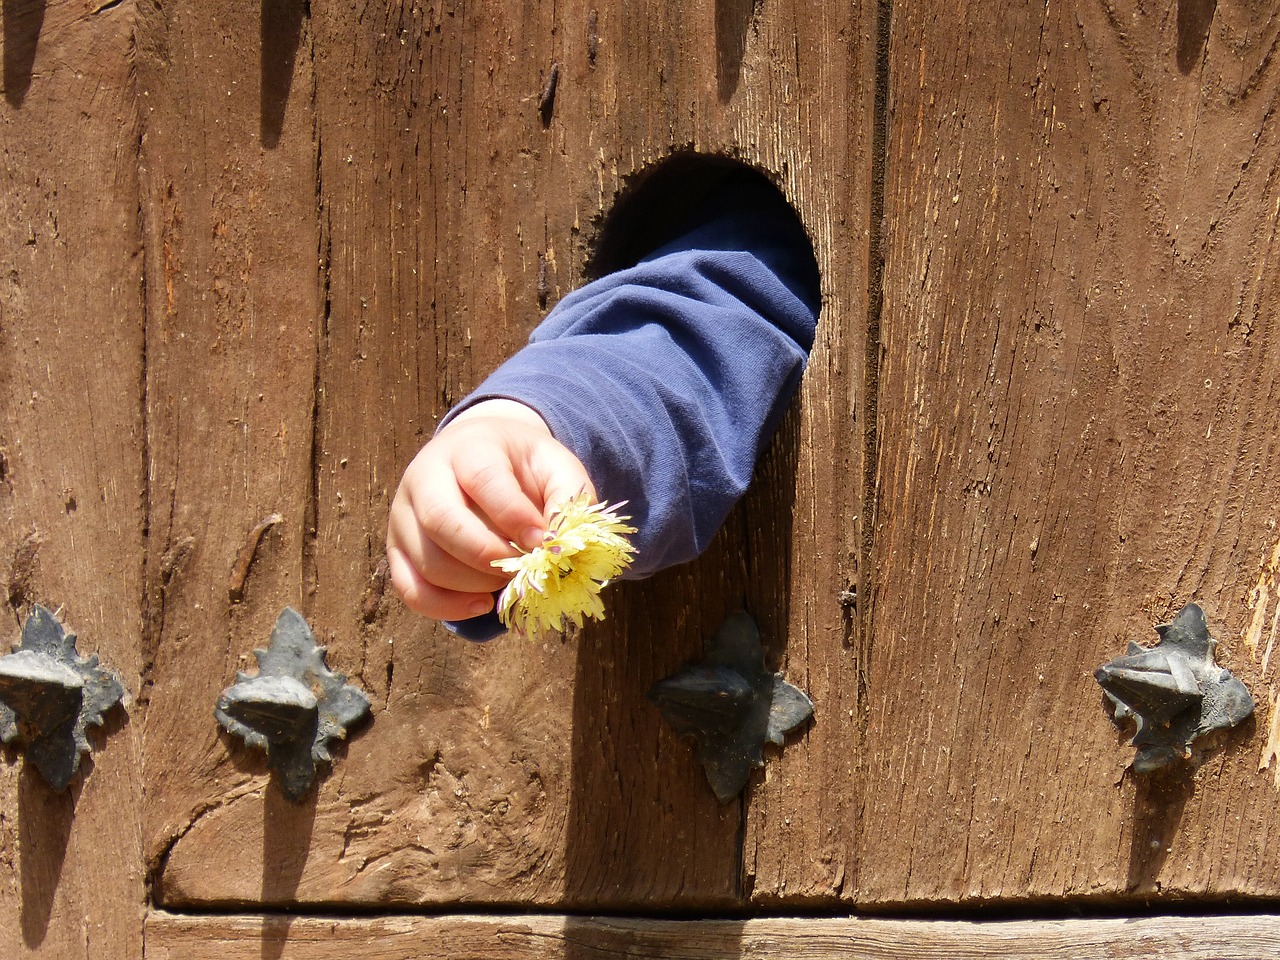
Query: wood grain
(1064, 393)
(234, 305)
(454, 201)
(172, 937)
(807, 499)
(1078, 435)
(71, 466)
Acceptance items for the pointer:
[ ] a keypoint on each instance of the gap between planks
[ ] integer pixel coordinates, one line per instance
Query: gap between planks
(516, 937)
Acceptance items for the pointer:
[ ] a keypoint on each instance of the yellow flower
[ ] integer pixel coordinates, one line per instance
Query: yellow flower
(585, 548)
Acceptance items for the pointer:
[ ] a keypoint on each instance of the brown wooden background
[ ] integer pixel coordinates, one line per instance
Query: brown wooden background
(250, 252)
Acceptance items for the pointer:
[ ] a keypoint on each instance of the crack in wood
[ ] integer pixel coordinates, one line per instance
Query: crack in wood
(159, 860)
(864, 619)
(20, 585)
(547, 101)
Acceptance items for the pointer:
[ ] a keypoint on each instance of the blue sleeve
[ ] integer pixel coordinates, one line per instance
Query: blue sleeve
(668, 378)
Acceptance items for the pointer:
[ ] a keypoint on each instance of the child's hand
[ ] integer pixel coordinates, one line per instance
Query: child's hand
(489, 478)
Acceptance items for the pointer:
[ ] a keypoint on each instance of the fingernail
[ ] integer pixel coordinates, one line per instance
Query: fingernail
(480, 607)
(532, 537)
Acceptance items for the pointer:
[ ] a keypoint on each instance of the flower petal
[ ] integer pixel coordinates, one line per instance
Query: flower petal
(561, 579)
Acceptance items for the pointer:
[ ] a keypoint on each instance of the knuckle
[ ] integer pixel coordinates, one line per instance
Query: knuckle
(447, 532)
(485, 481)
(438, 520)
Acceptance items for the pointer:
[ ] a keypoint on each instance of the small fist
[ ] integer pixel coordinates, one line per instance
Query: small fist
(488, 479)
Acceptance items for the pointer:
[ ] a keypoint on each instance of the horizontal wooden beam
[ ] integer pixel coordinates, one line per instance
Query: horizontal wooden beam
(176, 937)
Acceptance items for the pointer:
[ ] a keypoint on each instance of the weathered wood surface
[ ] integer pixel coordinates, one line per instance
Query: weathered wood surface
(1078, 435)
(351, 214)
(801, 824)
(71, 469)
(233, 310)
(511, 773)
(172, 937)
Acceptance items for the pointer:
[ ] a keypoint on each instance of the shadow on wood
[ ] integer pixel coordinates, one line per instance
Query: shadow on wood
(22, 22)
(44, 826)
(1195, 17)
(281, 33)
(733, 26)
(618, 736)
(286, 842)
(590, 938)
(1160, 798)
(642, 815)
(1158, 803)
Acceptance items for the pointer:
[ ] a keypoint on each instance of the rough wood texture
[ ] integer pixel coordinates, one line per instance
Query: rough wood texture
(228, 174)
(800, 829)
(572, 938)
(1078, 435)
(511, 773)
(1064, 392)
(71, 470)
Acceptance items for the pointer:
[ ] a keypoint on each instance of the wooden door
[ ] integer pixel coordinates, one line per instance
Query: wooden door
(1037, 420)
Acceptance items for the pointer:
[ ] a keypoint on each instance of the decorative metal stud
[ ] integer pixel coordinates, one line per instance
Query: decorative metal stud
(731, 706)
(1174, 691)
(50, 696)
(294, 708)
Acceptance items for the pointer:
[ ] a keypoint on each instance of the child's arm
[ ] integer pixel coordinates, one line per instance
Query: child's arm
(664, 379)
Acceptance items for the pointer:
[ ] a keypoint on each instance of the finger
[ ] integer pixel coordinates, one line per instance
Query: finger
(498, 494)
(434, 564)
(431, 601)
(440, 569)
(447, 517)
(559, 476)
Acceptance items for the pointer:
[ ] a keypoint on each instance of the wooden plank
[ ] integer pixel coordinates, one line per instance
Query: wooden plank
(539, 774)
(807, 501)
(171, 937)
(1078, 435)
(229, 209)
(71, 467)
